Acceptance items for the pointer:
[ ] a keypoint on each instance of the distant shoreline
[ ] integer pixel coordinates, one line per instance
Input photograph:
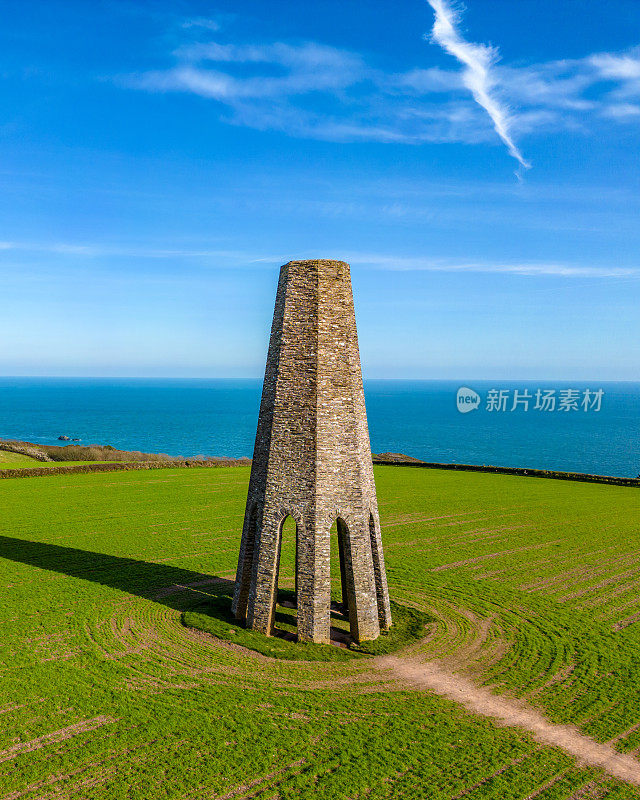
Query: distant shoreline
(400, 460)
(379, 459)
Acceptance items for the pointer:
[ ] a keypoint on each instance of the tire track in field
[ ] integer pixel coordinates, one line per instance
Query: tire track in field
(506, 711)
(56, 736)
(255, 787)
(466, 561)
(500, 771)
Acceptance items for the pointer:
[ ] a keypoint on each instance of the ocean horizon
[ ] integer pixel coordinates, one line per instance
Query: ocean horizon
(217, 417)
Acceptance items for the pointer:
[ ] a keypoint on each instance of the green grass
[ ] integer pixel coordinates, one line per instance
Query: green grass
(408, 627)
(534, 585)
(10, 460)
(213, 616)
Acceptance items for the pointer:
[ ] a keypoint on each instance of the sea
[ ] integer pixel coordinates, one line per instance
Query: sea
(579, 427)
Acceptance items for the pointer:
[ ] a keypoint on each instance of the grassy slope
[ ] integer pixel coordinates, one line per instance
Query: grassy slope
(16, 460)
(534, 584)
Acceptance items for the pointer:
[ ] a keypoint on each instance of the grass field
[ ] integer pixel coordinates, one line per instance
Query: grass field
(10, 460)
(534, 585)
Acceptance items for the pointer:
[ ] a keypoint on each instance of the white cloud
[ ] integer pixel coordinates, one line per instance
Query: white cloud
(384, 113)
(426, 81)
(556, 85)
(202, 22)
(621, 111)
(308, 67)
(617, 67)
(312, 90)
(478, 76)
(553, 269)
(244, 258)
(105, 251)
(306, 57)
(216, 85)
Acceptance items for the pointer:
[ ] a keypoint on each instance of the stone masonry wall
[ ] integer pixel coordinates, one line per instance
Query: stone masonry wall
(312, 460)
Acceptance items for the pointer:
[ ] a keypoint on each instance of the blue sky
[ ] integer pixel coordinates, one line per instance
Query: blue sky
(159, 161)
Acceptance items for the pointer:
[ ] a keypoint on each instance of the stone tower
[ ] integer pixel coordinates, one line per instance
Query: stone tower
(312, 461)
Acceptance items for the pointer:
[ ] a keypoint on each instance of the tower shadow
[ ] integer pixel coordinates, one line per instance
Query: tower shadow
(160, 583)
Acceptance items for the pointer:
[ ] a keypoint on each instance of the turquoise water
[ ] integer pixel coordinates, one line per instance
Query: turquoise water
(420, 418)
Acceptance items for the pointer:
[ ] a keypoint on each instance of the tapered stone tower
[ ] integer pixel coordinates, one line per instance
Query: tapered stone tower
(312, 461)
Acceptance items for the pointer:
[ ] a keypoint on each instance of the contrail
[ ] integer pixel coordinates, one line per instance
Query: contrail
(478, 60)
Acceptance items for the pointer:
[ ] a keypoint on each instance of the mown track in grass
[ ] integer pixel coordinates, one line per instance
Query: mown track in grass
(90, 627)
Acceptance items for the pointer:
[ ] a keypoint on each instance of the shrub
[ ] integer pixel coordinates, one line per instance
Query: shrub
(25, 449)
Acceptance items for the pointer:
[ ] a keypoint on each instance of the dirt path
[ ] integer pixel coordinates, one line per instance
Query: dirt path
(514, 714)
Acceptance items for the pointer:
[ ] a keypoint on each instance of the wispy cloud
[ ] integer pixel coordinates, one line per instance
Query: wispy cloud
(100, 250)
(238, 259)
(50, 247)
(309, 67)
(621, 111)
(478, 76)
(202, 22)
(625, 67)
(544, 269)
(313, 90)
(380, 107)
